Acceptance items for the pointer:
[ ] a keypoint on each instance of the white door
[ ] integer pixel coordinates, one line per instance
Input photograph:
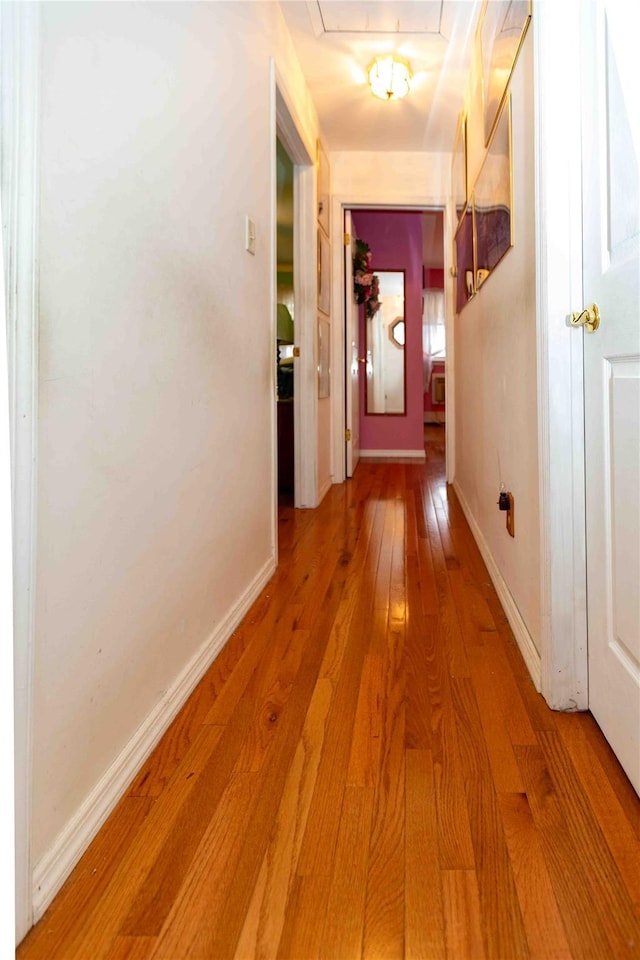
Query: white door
(611, 279)
(352, 419)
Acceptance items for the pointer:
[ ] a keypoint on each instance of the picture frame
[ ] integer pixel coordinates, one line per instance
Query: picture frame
(464, 248)
(324, 358)
(324, 272)
(493, 199)
(323, 188)
(459, 169)
(502, 28)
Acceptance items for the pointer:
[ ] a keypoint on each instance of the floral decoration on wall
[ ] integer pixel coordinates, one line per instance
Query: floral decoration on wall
(366, 286)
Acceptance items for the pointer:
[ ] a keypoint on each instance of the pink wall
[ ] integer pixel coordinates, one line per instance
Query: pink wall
(395, 238)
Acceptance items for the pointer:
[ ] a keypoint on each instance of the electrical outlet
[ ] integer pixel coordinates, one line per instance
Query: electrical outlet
(511, 514)
(506, 503)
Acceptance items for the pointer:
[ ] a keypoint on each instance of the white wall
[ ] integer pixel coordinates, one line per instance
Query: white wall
(156, 379)
(495, 349)
(393, 177)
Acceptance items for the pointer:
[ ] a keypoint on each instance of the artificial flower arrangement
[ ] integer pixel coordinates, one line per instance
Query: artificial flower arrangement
(366, 285)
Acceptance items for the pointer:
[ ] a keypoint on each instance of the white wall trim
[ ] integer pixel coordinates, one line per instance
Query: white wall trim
(523, 638)
(20, 47)
(273, 295)
(324, 489)
(449, 416)
(305, 285)
(558, 206)
(52, 870)
(338, 396)
(392, 454)
(305, 421)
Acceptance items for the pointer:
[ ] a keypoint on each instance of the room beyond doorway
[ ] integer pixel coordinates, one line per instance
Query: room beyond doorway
(285, 320)
(410, 241)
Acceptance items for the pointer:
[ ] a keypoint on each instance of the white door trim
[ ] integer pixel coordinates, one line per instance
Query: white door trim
(340, 203)
(19, 53)
(560, 379)
(305, 394)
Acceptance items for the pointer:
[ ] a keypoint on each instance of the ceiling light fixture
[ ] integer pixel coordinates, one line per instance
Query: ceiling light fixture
(389, 77)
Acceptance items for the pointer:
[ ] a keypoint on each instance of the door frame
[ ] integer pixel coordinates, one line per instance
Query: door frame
(558, 206)
(20, 44)
(339, 360)
(286, 126)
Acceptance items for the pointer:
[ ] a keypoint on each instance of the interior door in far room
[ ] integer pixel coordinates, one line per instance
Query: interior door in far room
(352, 412)
(611, 264)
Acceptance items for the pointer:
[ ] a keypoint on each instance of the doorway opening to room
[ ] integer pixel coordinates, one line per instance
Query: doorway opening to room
(285, 320)
(395, 386)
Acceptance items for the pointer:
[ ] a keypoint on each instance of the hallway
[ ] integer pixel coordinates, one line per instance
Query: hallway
(366, 770)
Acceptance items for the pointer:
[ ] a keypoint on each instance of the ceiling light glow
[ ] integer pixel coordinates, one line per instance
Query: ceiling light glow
(389, 78)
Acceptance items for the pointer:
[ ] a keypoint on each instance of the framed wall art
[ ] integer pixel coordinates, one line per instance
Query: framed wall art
(503, 25)
(322, 165)
(492, 199)
(459, 168)
(465, 262)
(324, 273)
(324, 358)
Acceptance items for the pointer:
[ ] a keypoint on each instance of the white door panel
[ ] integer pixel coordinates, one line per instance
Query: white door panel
(611, 265)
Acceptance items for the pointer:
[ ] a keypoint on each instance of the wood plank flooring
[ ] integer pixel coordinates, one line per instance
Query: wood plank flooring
(366, 771)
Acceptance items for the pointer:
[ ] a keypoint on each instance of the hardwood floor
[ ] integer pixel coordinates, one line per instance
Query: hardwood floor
(365, 771)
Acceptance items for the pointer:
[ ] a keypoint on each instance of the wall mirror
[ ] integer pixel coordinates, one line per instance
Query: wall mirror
(385, 336)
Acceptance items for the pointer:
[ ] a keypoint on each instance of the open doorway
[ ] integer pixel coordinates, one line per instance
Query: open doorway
(287, 130)
(285, 325)
(408, 242)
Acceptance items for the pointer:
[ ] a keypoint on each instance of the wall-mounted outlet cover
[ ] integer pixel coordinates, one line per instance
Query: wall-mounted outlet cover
(511, 514)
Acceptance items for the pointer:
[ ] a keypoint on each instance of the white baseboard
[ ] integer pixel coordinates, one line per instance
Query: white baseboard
(430, 416)
(392, 454)
(324, 489)
(54, 868)
(524, 640)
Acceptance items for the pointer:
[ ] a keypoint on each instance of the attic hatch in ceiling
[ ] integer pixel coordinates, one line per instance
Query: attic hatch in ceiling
(362, 16)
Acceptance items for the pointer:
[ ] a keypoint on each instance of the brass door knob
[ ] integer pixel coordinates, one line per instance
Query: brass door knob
(589, 318)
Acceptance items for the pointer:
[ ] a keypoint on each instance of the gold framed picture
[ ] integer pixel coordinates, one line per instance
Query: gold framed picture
(324, 272)
(322, 163)
(493, 201)
(324, 358)
(503, 26)
(459, 168)
(465, 260)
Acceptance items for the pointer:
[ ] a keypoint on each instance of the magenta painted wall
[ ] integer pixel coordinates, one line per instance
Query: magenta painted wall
(395, 238)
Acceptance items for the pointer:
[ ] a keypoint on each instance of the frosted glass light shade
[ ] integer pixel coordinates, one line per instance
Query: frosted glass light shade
(389, 78)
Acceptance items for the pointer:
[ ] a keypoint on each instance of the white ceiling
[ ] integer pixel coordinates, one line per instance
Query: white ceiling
(336, 40)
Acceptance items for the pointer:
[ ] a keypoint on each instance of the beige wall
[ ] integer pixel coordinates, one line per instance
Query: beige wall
(155, 502)
(394, 177)
(495, 350)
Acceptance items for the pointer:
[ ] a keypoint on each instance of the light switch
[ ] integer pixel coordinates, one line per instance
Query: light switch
(250, 235)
